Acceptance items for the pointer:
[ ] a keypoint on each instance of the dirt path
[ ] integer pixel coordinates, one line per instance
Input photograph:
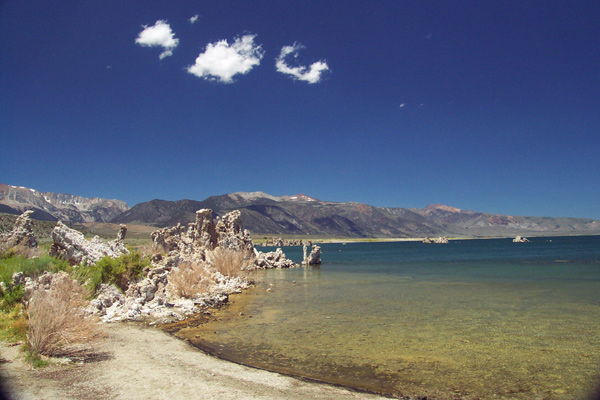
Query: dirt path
(145, 363)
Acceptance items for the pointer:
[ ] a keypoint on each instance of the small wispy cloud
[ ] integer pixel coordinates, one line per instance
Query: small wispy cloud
(158, 35)
(221, 61)
(402, 105)
(194, 19)
(311, 74)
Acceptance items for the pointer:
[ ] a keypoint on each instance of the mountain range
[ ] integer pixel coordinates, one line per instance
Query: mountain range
(304, 215)
(58, 206)
(264, 214)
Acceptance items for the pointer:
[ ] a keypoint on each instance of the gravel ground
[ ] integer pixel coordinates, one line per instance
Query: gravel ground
(137, 362)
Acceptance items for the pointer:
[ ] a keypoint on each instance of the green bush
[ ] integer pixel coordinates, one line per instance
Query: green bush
(11, 295)
(119, 272)
(31, 267)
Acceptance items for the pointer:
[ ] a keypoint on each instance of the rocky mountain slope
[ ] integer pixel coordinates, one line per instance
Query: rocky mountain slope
(264, 214)
(304, 215)
(473, 223)
(57, 206)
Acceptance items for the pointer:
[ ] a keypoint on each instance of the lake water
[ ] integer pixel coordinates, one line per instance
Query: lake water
(471, 319)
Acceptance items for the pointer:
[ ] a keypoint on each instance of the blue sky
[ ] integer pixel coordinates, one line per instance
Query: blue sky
(483, 105)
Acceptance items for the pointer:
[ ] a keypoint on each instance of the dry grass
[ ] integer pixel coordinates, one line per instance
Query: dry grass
(227, 261)
(19, 250)
(147, 249)
(13, 324)
(189, 280)
(57, 326)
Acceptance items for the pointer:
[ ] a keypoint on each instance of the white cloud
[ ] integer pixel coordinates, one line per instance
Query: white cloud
(402, 105)
(302, 73)
(194, 19)
(221, 61)
(158, 35)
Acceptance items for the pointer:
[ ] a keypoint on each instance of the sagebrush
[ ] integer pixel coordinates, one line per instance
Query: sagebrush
(190, 279)
(57, 325)
(228, 262)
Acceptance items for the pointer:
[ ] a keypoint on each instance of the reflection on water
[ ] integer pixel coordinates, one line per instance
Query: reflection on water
(480, 328)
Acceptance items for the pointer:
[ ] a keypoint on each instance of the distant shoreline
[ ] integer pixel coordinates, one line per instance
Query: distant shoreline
(417, 239)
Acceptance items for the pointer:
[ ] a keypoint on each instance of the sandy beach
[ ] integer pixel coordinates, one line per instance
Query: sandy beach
(138, 362)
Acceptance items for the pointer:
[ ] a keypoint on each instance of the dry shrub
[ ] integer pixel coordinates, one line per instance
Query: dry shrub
(228, 262)
(57, 323)
(189, 279)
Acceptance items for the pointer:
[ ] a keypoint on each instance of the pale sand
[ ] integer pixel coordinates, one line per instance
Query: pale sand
(136, 362)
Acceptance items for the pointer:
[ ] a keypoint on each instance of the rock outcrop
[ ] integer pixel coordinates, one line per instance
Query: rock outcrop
(314, 258)
(279, 242)
(192, 242)
(72, 246)
(44, 281)
(21, 234)
(440, 239)
(273, 259)
(155, 295)
(231, 235)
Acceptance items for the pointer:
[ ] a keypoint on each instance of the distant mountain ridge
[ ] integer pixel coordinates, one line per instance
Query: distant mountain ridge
(303, 215)
(264, 214)
(50, 206)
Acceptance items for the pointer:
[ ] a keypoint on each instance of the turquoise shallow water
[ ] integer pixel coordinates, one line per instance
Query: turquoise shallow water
(469, 319)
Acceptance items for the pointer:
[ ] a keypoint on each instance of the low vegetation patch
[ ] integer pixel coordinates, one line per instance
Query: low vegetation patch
(13, 324)
(118, 271)
(49, 322)
(18, 250)
(10, 294)
(56, 320)
(189, 279)
(145, 248)
(227, 261)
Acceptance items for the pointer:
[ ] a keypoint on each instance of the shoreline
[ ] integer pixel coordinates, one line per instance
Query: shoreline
(187, 331)
(138, 361)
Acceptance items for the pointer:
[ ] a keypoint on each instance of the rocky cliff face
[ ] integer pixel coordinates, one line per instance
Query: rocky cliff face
(57, 206)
